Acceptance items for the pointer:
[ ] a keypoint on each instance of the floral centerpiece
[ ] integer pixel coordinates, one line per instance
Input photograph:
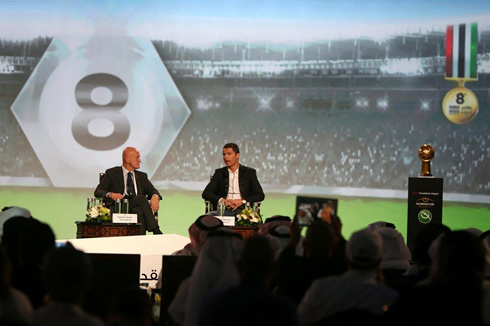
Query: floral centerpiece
(98, 213)
(249, 218)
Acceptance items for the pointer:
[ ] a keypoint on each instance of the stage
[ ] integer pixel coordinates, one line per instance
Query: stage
(150, 247)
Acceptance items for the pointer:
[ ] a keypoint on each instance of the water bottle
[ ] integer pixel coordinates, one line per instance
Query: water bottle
(247, 206)
(117, 208)
(126, 206)
(221, 208)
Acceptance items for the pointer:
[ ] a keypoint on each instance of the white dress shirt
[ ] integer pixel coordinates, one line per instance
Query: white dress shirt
(233, 187)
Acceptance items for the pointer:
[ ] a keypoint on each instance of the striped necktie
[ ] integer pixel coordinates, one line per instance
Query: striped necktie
(130, 184)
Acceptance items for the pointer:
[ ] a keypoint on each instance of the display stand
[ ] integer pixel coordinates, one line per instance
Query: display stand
(424, 205)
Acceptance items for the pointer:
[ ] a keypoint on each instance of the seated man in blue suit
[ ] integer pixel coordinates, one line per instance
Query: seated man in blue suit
(126, 182)
(234, 184)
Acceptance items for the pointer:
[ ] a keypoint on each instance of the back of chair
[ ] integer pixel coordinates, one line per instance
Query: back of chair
(107, 202)
(175, 269)
(111, 274)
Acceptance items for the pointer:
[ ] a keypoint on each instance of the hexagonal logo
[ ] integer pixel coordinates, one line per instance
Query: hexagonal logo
(89, 98)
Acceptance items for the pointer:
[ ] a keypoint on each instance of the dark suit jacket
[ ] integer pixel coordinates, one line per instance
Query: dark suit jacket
(250, 188)
(113, 181)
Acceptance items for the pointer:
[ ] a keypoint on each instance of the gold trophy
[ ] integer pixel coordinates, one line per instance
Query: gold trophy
(426, 154)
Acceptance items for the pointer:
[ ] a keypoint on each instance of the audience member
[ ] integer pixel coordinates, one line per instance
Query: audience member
(197, 234)
(131, 307)
(358, 289)
(295, 272)
(381, 224)
(12, 211)
(422, 242)
(331, 281)
(279, 225)
(279, 239)
(476, 232)
(421, 261)
(215, 270)
(396, 255)
(453, 293)
(15, 306)
(66, 274)
(272, 222)
(11, 237)
(339, 252)
(27, 240)
(485, 239)
(250, 302)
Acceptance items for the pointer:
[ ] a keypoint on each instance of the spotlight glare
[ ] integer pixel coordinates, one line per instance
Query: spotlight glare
(382, 103)
(425, 104)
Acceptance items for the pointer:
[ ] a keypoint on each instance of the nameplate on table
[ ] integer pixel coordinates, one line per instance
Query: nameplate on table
(227, 220)
(124, 218)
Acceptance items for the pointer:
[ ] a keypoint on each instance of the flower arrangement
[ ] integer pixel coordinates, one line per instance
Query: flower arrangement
(98, 213)
(248, 218)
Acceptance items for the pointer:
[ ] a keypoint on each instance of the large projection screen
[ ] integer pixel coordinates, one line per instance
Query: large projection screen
(324, 98)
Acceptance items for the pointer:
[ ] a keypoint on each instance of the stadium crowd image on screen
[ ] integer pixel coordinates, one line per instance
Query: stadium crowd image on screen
(331, 103)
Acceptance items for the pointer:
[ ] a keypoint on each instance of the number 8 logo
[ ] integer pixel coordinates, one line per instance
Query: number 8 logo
(460, 98)
(109, 111)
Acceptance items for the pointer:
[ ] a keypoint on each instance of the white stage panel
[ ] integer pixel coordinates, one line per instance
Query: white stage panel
(150, 247)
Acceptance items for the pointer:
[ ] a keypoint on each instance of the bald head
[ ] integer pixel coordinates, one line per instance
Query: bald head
(131, 158)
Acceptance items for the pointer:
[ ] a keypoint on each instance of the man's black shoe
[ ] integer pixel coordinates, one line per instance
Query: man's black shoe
(156, 231)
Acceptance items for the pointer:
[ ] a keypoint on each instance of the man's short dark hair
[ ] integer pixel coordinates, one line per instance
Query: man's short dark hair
(233, 146)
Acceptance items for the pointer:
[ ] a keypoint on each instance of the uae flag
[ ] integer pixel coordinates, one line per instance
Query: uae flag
(461, 48)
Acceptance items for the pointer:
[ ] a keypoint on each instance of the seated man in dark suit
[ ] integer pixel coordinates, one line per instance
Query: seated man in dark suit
(234, 184)
(126, 182)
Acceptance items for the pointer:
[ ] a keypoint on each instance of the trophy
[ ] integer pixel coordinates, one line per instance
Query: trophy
(426, 154)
